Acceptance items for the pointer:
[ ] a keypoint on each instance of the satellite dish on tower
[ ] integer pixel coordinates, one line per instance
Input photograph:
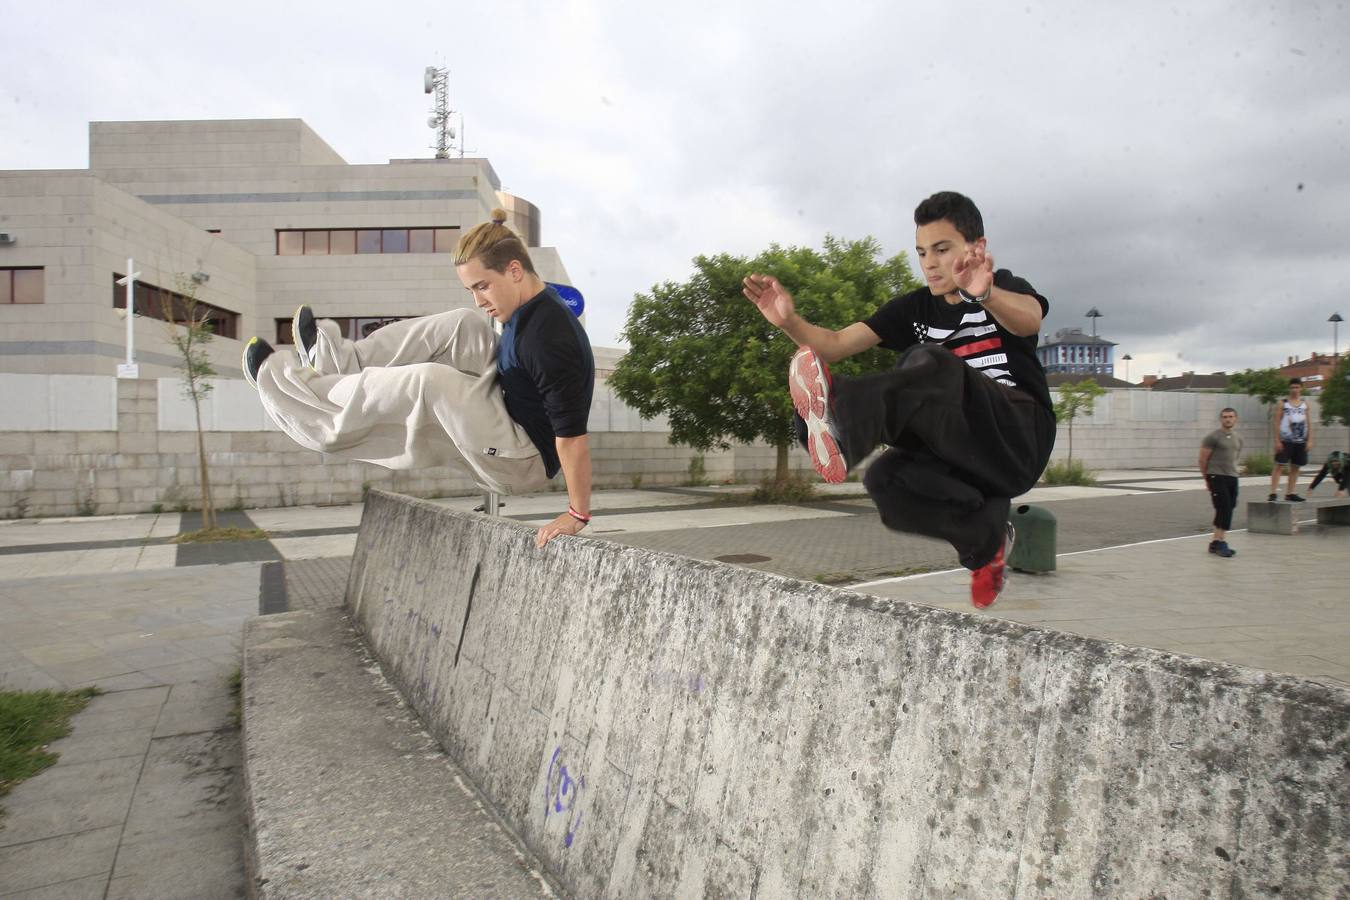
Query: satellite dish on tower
(429, 80)
(433, 122)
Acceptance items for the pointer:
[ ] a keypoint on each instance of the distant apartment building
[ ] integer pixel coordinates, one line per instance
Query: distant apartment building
(254, 217)
(1315, 371)
(1073, 352)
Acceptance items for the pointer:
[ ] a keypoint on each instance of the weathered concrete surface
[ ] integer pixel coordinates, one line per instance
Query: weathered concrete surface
(657, 726)
(1278, 518)
(348, 795)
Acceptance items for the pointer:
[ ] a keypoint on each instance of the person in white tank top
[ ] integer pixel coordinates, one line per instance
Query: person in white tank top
(1293, 440)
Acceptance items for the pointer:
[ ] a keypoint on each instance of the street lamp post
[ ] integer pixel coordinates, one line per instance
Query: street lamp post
(1126, 360)
(1094, 315)
(129, 369)
(1335, 321)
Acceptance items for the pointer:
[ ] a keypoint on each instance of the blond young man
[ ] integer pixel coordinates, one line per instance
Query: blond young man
(444, 390)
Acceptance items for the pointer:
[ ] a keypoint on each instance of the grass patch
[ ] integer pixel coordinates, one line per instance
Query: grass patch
(29, 721)
(1069, 472)
(1258, 464)
(236, 685)
(216, 535)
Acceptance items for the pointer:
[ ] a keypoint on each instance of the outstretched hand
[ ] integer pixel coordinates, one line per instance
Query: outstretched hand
(772, 299)
(974, 272)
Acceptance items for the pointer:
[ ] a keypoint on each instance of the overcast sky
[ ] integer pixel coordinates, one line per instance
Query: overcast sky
(1184, 167)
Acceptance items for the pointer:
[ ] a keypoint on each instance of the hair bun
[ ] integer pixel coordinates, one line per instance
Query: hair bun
(499, 216)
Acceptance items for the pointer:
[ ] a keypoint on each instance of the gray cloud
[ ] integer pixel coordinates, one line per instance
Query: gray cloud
(1142, 158)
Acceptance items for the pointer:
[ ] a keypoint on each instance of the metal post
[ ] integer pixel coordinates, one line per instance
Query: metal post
(129, 369)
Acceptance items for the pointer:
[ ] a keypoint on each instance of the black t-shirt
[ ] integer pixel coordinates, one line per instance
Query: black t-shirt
(970, 332)
(547, 373)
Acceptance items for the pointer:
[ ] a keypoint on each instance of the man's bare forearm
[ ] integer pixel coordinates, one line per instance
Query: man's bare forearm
(575, 455)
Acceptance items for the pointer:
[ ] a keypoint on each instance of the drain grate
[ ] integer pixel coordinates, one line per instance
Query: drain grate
(743, 558)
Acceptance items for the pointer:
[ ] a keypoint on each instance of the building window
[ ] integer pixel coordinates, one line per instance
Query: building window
(352, 328)
(346, 241)
(21, 285)
(157, 303)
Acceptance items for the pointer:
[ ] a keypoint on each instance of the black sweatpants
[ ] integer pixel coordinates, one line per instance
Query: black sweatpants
(1223, 490)
(961, 446)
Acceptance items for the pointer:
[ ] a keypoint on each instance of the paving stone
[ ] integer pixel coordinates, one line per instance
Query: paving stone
(59, 859)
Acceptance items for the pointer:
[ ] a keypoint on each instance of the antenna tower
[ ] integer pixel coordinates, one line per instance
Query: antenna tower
(437, 81)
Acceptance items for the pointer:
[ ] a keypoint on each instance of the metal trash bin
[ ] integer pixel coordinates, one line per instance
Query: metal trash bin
(1034, 549)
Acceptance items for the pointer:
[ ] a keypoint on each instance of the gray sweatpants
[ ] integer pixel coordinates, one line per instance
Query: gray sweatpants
(415, 394)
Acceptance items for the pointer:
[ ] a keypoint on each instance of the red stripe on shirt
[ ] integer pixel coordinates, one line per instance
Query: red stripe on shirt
(978, 347)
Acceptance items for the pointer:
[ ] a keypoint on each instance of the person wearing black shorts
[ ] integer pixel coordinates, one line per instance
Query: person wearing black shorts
(1219, 453)
(965, 415)
(1293, 430)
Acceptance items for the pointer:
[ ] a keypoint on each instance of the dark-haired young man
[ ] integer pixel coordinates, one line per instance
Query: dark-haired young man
(1219, 454)
(965, 414)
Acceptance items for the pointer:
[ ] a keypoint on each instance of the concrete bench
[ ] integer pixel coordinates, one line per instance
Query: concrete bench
(348, 796)
(1264, 517)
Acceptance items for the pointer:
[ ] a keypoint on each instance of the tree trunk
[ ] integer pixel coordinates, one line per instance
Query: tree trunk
(1070, 443)
(208, 509)
(781, 472)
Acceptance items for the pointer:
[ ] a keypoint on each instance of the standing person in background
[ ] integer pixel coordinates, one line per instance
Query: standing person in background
(1219, 453)
(1293, 440)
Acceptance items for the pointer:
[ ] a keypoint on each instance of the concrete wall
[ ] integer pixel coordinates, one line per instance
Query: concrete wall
(654, 726)
(97, 445)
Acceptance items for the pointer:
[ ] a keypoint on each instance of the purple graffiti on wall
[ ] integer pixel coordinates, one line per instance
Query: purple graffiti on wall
(561, 793)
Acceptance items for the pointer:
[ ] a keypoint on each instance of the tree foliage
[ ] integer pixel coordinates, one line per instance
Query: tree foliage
(701, 353)
(1266, 385)
(1335, 396)
(1077, 398)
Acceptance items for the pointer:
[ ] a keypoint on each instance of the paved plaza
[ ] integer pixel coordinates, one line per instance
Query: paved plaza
(145, 799)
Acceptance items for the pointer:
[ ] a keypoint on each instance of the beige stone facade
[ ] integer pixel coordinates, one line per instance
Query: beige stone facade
(210, 197)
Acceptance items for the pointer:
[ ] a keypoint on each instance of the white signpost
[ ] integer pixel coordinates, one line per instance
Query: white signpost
(129, 369)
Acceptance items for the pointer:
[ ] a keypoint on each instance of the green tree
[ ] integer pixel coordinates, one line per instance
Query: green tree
(1078, 398)
(1335, 396)
(1266, 385)
(702, 354)
(190, 330)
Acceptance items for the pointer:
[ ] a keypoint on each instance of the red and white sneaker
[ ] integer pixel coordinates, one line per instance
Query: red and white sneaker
(987, 582)
(809, 383)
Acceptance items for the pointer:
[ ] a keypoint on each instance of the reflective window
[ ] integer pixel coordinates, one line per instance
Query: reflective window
(316, 243)
(446, 239)
(421, 240)
(157, 303)
(341, 243)
(24, 285)
(290, 243)
(395, 240)
(367, 242)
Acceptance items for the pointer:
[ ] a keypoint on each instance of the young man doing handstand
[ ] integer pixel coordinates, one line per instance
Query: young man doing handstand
(443, 390)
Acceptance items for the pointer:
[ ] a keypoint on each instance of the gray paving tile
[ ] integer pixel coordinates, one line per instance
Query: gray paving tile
(91, 888)
(104, 745)
(29, 679)
(128, 699)
(204, 866)
(74, 779)
(60, 859)
(29, 819)
(89, 669)
(206, 713)
(189, 785)
(129, 681)
(141, 718)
